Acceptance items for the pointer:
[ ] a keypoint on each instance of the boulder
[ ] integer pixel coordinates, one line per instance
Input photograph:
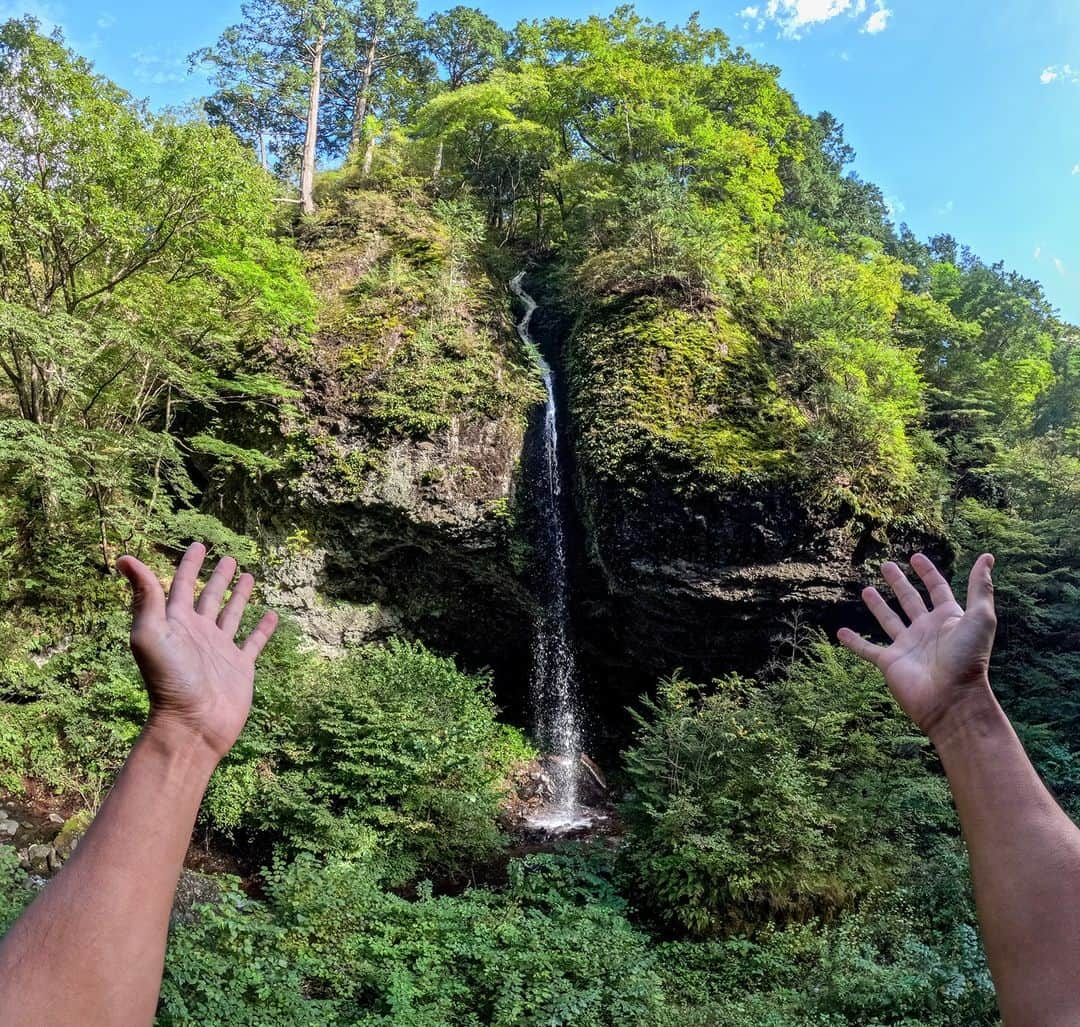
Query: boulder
(193, 890)
(40, 858)
(74, 828)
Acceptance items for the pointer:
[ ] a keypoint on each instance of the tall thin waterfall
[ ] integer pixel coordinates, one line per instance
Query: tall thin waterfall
(554, 674)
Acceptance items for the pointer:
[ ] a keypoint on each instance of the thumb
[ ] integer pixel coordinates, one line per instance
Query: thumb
(147, 596)
(980, 594)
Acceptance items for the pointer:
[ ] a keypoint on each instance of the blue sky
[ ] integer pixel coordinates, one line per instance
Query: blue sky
(965, 112)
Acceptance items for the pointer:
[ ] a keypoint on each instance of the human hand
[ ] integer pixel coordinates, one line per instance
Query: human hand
(939, 663)
(200, 681)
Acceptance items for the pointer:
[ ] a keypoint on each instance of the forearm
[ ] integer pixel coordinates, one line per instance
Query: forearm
(1025, 864)
(97, 932)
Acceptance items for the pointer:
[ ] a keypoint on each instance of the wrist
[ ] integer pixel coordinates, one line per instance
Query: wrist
(975, 709)
(182, 744)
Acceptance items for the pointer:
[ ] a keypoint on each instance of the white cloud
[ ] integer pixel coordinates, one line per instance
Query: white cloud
(895, 206)
(1038, 253)
(1060, 73)
(878, 21)
(1059, 265)
(1076, 169)
(106, 20)
(795, 17)
(948, 208)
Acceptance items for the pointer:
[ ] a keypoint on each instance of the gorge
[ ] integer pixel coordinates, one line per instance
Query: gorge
(615, 503)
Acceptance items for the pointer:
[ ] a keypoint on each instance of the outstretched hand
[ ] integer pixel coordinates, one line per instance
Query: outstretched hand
(942, 657)
(200, 681)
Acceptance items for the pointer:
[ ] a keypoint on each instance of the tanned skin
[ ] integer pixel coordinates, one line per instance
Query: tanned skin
(90, 948)
(1024, 850)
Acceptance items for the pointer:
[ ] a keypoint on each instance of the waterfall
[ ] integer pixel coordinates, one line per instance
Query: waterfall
(554, 672)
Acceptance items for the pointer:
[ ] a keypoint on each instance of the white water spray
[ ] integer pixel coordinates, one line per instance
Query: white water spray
(554, 673)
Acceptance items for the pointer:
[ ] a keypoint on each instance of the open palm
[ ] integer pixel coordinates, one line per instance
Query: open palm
(944, 652)
(199, 679)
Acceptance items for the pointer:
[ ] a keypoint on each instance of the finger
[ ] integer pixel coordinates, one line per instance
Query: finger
(861, 646)
(884, 614)
(147, 595)
(933, 579)
(910, 600)
(229, 620)
(182, 591)
(980, 595)
(253, 644)
(210, 600)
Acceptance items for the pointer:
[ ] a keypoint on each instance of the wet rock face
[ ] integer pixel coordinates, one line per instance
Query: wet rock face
(707, 585)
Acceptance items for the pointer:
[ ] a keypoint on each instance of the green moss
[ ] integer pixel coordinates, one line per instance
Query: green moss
(410, 321)
(692, 391)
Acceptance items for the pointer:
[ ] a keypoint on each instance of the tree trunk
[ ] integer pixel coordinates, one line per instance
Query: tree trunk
(361, 106)
(307, 164)
(436, 171)
(369, 156)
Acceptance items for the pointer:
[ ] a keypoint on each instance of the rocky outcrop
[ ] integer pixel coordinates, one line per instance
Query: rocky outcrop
(704, 537)
(395, 508)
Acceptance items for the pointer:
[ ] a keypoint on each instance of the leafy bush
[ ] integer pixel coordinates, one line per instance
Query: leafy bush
(389, 748)
(332, 946)
(777, 801)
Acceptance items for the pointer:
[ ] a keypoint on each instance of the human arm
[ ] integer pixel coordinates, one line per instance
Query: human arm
(90, 948)
(1024, 850)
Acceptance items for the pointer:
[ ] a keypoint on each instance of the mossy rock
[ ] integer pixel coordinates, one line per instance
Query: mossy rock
(688, 393)
(74, 828)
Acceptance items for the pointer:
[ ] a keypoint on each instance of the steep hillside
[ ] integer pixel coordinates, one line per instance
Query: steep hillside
(398, 512)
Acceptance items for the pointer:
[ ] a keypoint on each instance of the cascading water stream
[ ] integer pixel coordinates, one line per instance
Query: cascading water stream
(554, 674)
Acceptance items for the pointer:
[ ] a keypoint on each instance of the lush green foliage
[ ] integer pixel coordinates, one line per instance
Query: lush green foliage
(760, 800)
(332, 946)
(389, 751)
(138, 280)
(743, 317)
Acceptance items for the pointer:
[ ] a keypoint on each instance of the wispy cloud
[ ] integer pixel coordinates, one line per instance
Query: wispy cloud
(795, 17)
(157, 69)
(1059, 266)
(947, 208)
(1076, 169)
(1038, 253)
(106, 20)
(49, 15)
(1059, 73)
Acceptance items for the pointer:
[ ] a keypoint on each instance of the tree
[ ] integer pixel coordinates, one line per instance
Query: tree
(383, 35)
(467, 44)
(268, 70)
(136, 275)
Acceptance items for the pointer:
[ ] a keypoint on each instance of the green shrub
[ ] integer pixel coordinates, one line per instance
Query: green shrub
(757, 802)
(388, 748)
(332, 945)
(15, 891)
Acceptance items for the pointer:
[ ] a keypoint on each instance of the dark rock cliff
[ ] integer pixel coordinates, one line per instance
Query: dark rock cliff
(398, 508)
(706, 543)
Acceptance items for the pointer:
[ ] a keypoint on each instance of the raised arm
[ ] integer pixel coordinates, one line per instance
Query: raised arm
(90, 949)
(1024, 850)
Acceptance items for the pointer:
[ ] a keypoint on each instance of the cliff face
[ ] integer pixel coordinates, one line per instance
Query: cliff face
(399, 513)
(706, 533)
